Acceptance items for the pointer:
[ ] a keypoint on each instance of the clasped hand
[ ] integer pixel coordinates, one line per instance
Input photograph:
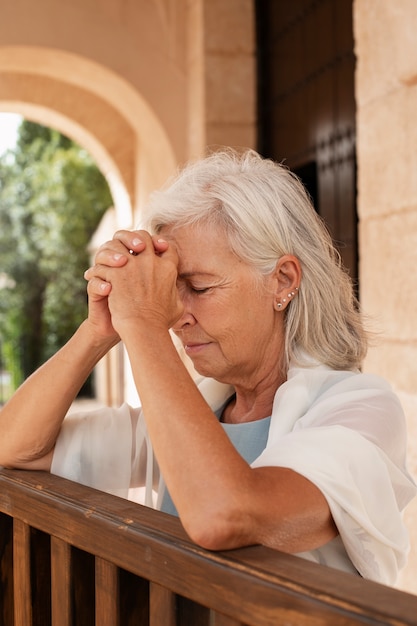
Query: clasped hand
(133, 280)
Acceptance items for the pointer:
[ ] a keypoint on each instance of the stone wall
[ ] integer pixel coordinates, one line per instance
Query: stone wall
(386, 92)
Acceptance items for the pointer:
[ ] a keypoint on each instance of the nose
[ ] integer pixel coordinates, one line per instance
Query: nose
(186, 319)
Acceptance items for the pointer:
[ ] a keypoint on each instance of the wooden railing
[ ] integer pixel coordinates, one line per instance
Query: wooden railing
(74, 556)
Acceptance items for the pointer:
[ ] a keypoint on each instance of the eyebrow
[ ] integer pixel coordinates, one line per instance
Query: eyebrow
(193, 274)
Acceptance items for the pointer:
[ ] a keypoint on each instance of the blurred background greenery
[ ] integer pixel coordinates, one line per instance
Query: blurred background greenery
(52, 198)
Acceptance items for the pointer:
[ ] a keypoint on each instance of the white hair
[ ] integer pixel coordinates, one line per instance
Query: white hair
(266, 213)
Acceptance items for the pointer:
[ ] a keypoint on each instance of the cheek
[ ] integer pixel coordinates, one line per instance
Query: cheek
(233, 332)
(255, 323)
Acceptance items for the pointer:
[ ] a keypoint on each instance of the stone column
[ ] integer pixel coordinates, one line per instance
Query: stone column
(386, 93)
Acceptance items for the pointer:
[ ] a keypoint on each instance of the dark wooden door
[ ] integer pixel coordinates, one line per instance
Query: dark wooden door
(306, 110)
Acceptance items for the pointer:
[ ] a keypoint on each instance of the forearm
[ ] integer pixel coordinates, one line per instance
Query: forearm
(31, 420)
(199, 464)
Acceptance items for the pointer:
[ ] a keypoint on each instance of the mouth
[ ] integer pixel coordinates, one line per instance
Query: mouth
(195, 347)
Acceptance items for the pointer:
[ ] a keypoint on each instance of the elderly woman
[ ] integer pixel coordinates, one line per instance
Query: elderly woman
(281, 441)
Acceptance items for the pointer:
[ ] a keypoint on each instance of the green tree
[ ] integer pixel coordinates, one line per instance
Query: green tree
(52, 197)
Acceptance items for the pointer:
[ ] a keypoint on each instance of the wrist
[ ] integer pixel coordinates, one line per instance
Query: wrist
(132, 328)
(96, 343)
(147, 340)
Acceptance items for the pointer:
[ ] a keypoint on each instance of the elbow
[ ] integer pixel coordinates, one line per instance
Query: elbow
(31, 461)
(7, 462)
(216, 530)
(208, 538)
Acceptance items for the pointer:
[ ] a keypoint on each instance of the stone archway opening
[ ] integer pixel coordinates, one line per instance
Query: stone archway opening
(112, 121)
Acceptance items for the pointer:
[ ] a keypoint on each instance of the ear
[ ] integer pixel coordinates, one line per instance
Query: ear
(287, 276)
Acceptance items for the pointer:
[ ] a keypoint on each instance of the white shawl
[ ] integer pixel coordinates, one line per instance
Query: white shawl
(344, 431)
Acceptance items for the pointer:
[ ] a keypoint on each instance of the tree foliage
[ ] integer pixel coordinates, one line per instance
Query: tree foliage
(52, 197)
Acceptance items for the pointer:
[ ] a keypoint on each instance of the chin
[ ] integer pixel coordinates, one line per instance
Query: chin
(210, 373)
(206, 368)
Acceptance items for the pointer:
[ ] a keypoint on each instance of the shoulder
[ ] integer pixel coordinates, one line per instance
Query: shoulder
(323, 382)
(319, 396)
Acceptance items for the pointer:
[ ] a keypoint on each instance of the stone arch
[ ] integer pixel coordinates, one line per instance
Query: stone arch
(98, 109)
(114, 122)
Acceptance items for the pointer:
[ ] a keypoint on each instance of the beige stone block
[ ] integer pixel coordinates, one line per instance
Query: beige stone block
(387, 153)
(196, 137)
(385, 46)
(388, 278)
(235, 135)
(230, 89)
(395, 361)
(404, 22)
(229, 26)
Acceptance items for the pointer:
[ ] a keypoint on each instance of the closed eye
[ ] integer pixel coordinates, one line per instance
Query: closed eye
(184, 286)
(194, 285)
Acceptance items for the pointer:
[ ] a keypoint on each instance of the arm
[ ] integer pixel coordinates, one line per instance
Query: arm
(222, 502)
(31, 420)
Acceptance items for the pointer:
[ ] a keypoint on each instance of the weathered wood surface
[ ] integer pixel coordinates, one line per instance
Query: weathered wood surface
(79, 556)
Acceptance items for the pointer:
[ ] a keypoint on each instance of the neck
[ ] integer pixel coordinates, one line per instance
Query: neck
(250, 405)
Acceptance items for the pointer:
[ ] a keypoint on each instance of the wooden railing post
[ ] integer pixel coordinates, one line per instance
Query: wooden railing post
(107, 593)
(22, 578)
(6, 571)
(162, 607)
(61, 583)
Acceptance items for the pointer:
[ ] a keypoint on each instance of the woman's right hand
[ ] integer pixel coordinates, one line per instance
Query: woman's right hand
(113, 254)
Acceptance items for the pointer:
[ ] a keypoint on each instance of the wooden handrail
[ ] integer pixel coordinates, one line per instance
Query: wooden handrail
(74, 555)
